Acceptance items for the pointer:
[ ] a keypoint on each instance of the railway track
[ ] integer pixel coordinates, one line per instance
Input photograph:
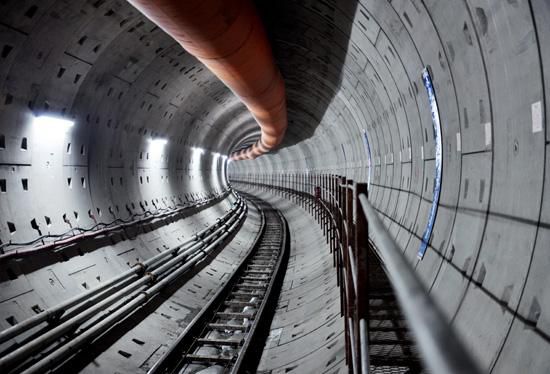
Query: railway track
(228, 335)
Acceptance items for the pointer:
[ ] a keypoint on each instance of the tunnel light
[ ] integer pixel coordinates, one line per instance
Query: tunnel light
(156, 146)
(196, 157)
(217, 156)
(49, 127)
(197, 150)
(158, 142)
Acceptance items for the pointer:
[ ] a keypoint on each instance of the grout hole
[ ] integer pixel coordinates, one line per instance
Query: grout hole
(6, 50)
(37, 309)
(11, 227)
(125, 354)
(31, 11)
(11, 274)
(35, 226)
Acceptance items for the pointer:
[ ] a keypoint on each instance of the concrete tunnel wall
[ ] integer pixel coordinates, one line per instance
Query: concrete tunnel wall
(487, 263)
(349, 66)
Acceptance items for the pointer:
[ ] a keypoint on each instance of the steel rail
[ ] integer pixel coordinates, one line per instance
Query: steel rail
(160, 270)
(56, 311)
(163, 362)
(180, 353)
(137, 298)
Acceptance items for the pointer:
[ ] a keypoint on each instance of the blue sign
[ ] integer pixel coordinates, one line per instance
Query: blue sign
(428, 84)
(369, 157)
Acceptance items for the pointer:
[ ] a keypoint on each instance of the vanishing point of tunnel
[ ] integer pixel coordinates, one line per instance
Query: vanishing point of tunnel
(291, 186)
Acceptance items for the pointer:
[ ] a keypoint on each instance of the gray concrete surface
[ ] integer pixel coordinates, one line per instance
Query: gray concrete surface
(349, 65)
(152, 331)
(307, 332)
(489, 60)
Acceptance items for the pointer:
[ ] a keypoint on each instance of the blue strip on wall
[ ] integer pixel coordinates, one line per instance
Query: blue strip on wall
(427, 79)
(344, 152)
(369, 158)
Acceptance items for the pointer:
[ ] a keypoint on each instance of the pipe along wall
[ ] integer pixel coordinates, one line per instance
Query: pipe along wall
(356, 105)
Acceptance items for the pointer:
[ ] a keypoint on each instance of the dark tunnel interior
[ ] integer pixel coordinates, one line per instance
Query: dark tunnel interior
(116, 143)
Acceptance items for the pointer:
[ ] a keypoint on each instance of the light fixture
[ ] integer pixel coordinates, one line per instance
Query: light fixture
(197, 150)
(156, 145)
(158, 142)
(48, 127)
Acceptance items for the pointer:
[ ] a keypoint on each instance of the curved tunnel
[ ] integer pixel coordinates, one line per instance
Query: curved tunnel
(153, 128)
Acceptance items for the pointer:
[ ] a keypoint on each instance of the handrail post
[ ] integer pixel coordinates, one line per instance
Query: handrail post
(326, 219)
(304, 190)
(295, 188)
(361, 264)
(343, 266)
(334, 212)
(349, 284)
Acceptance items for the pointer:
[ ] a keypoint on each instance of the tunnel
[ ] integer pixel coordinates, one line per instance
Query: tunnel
(383, 212)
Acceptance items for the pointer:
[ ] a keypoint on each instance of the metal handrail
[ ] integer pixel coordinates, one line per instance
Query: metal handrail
(440, 347)
(442, 350)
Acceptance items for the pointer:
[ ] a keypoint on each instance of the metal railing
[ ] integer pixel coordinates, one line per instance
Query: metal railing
(348, 221)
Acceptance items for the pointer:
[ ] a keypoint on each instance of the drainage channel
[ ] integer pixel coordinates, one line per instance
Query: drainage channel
(228, 335)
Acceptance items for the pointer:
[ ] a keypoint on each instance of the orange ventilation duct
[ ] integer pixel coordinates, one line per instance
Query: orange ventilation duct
(228, 37)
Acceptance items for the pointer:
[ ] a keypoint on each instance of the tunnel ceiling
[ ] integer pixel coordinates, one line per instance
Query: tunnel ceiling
(111, 69)
(353, 73)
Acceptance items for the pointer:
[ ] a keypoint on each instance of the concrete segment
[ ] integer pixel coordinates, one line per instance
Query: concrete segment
(349, 66)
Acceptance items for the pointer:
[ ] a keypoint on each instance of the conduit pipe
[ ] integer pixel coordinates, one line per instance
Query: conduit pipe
(20, 253)
(228, 37)
(128, 292)
(112, 317)
(56, 311)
